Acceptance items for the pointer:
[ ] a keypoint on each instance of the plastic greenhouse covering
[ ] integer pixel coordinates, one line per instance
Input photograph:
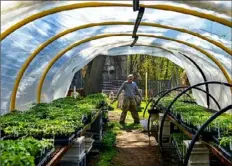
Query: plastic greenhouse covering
(29, 25)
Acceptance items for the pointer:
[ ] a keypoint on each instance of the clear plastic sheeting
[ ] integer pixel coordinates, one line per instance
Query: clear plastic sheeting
(20, 44)
(34, 72)
(220, 93)
(23, 9)
(110, 42)
(74, 64)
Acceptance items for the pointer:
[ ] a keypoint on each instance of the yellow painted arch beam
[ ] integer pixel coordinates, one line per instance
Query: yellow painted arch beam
(61, 53)
(46, 43)
(105, 4)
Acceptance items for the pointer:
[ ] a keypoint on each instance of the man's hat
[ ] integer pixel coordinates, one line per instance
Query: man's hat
(130, 75)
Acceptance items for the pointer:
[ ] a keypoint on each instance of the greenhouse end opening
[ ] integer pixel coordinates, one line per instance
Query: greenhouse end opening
(116, 83)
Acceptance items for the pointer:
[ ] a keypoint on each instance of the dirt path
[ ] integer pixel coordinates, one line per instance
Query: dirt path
(133, 146)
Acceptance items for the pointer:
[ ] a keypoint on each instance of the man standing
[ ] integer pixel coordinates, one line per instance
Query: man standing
(129, 103)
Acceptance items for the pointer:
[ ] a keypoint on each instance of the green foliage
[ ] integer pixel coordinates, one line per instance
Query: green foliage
(195, 115)
(62, 117)
(106, 158)
(115, 126)
(178, 138)
(226, 141)
(22, 152)
(158, 68)
(109, 139)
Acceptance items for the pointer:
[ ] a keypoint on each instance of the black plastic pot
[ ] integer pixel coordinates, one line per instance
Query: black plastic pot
(78, 131)
(64, 140)
(154, 111)
(9, 137)
(2, 133)
(225, 150)
(89, 117)
(85, 120)
(42, 160)
(105, 120)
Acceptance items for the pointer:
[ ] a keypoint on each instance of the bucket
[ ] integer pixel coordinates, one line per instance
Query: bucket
(144, 123)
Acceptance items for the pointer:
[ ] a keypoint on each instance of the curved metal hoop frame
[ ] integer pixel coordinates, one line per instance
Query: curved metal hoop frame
(177, 88)
(157, 94)
(178, 96)
(201, 129)
(203, 76)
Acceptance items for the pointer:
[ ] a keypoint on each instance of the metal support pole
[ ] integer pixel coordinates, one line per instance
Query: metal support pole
(146, 87)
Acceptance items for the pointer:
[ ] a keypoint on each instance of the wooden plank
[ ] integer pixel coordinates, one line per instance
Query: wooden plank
(58, 155)
(218, 154)
(180, 127)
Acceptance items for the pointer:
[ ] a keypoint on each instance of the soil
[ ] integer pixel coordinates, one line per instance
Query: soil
(135, 149)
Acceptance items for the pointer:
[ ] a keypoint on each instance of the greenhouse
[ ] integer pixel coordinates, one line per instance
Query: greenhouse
(71, 70)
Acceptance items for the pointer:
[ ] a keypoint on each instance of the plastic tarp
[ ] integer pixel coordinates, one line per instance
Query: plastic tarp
(194, 76)
(18, 46)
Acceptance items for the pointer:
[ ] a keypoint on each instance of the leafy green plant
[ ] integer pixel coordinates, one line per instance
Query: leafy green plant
(195, 115)
(62, 117)
(178, 138)
(22, 152)
(115, 126)
(106, 157)
(109, 139)
(226, 141)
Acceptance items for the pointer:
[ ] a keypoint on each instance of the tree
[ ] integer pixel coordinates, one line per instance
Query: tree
(158, 68)
(93, 77)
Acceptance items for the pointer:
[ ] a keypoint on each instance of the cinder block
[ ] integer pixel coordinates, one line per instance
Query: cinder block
(73, 161)
(161, 117)
(166, 122)
(166, 139)
(88, 144)
(199, 155)
(166, 130)
(77, 150)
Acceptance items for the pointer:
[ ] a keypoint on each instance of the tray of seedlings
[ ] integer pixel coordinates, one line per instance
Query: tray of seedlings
(177, 141)
(61, 119)
(26, 152)
(224, 144)
(191, 116)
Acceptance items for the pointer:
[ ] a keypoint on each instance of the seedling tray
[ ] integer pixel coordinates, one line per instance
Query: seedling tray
(64, 140)
(226, 151)
(177, 149)
(45, 157)
(78, 132)
(98, 145)
(192, 129)
(2, 134)
(7, 137)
